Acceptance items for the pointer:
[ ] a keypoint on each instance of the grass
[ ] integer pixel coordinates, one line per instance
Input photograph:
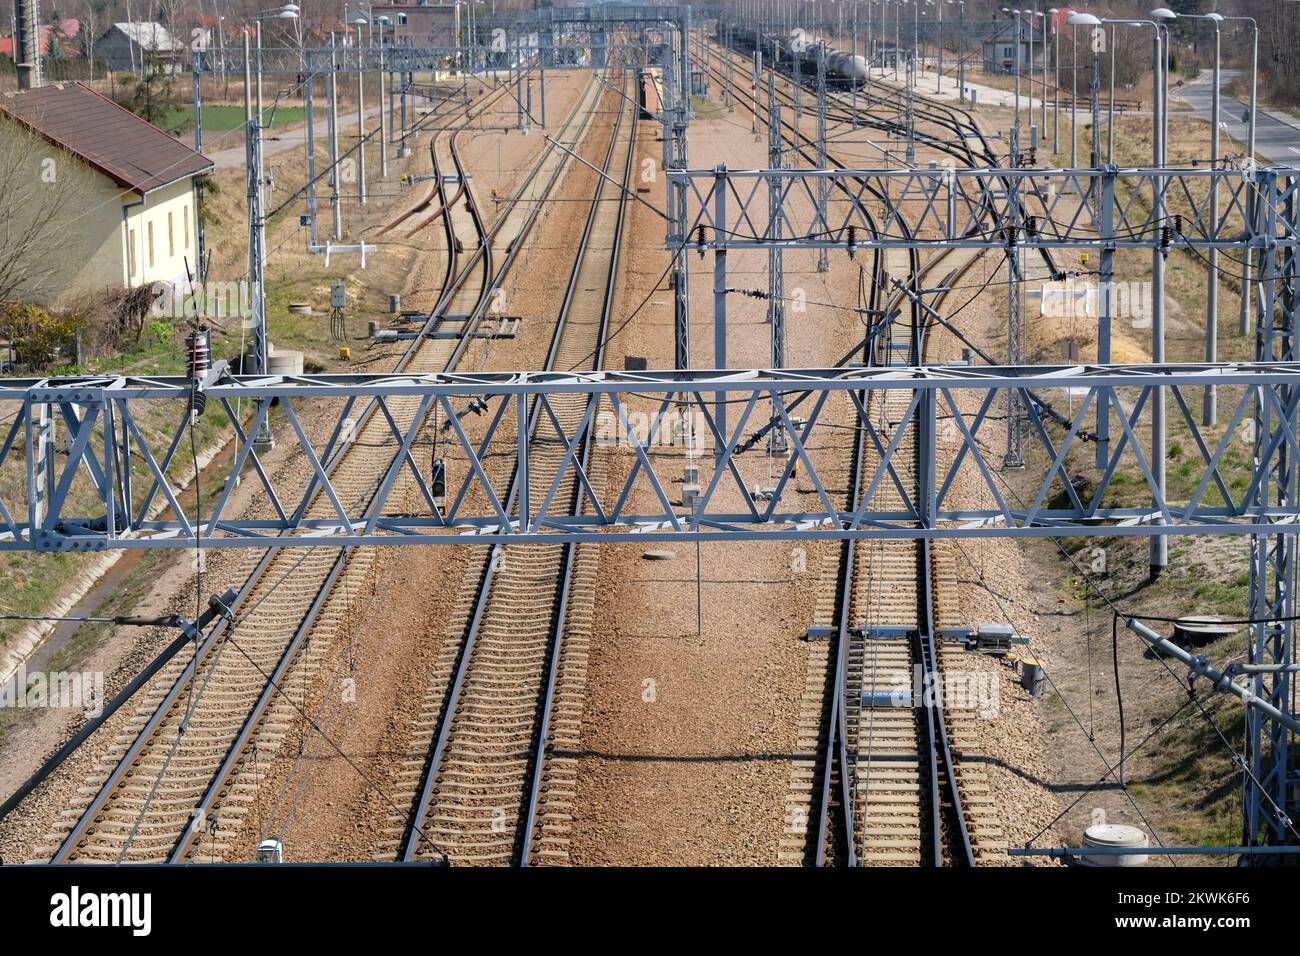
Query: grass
(1186, 780)
(223, 119)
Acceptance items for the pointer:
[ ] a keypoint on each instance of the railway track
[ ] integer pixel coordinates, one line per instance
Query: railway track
(174, 786)
(884, 783)
(488, 781)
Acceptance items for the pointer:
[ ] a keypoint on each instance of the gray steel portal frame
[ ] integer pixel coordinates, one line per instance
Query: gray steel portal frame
(82, 493)
(947, 208)
(1019, 209)
(77, 472)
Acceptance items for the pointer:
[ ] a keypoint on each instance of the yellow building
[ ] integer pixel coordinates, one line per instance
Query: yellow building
(96, 197)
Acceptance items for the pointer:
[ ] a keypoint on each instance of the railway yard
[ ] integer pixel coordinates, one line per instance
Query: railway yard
(717, 487)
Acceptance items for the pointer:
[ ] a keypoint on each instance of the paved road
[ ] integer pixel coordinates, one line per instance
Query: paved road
(1277, 137)
(217, 146)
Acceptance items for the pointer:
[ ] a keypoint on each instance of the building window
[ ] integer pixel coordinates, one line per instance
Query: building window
(149, 234)
(401, 19)
(171, 238)
(186, 223)
(130, 253)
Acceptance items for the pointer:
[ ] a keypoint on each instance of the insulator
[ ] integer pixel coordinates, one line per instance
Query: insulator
(438, 478)
(1031, 225)
(853, 241)
(198, 362)
(1166, 236)
(1009, 235)
(1178, 224)
(699, 240)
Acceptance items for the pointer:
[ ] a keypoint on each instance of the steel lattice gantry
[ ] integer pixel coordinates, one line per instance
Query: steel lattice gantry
(80, 475)
(1020, 209)
(85, 465)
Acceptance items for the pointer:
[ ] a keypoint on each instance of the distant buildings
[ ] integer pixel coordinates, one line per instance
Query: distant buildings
(129, 46)
(1000, 48)
(422, 24)
(59, 39)
(124, 191)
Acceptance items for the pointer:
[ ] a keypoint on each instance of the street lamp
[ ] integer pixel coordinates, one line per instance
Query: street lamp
(1163, 17)
(961, 53)
(256, 182)
(1015, 131)
(1209, 412)
(1243, 324)
(254, 126)
(359, 21)
(1056, 81)
(1159, 556)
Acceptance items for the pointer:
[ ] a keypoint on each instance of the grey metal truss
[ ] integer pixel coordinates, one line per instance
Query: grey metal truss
(92, 490)
(775, 257)
(1272, 789)
(945, 208)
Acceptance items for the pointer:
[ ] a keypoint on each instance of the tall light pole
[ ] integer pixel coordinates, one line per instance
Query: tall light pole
(1209, 412)
(359, 21)
(938, 82)
(254, 124)
(1047, 19)
(1015, 130)
(1056, 81)
(1074, 93)
(1163, 17)
(1159, 555)
(961, 53)
(1243, 324)
(384, 24)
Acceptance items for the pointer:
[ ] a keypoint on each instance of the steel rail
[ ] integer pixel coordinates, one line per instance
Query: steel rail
(570, 551)
(937, 743)
(218, 788)
(217, 785)
(411, 840)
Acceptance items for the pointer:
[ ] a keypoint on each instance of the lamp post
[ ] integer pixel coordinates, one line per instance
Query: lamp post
(961, 53)
(384, 24)
(898, 15)
(938, 81)
(1015, 130)
(359, 21)
(1209, 412)
(254, 125)
(1159, 554)
(1056, 81)
(1243, 323)
(1047, 19)
(1163, 17)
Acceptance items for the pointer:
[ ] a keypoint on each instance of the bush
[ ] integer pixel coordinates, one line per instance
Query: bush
(121, 315)
(40, 336)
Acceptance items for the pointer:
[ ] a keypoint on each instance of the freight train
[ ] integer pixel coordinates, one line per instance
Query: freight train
(784, 48)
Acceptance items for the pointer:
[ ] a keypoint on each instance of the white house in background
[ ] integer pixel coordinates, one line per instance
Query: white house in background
(128, 46)
(131, 215)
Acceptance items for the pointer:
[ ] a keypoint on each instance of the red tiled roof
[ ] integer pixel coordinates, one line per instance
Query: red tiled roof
(70, 30)
(132, 152)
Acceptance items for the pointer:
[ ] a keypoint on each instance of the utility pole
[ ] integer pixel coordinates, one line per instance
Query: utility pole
(335, 205)
(775, 259)
(308, 92)
(256, 235)
(27, 44)
(823, 255)
(1209, 412)
(1159, 543)
(361, 123)
(1015, 456)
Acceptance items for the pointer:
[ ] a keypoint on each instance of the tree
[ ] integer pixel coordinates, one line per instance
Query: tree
(93, 13)
(41, 191)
